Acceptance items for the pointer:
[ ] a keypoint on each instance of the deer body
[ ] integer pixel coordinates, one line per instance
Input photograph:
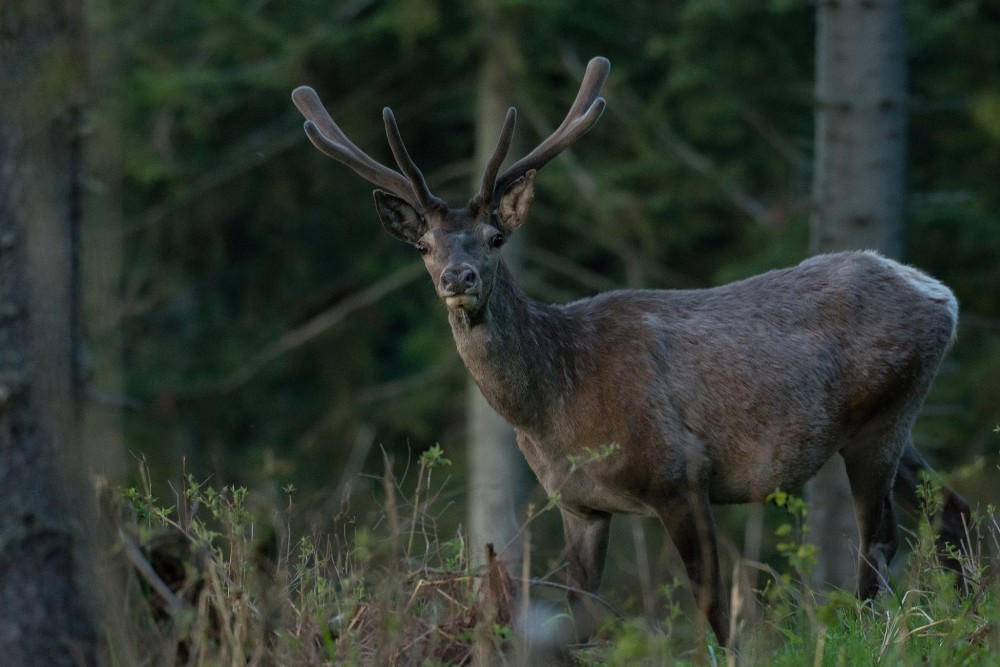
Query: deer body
(708, 396)
(777, 372)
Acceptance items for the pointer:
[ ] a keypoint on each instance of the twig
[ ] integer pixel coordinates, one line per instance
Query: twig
(628, 108)
(593, 596)
(405, 385)
(589, 279)
(254, 151)
(174, 605)
(306, 332)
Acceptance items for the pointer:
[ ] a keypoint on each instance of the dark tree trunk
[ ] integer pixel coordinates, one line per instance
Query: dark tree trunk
(858, 192)
(45, 619)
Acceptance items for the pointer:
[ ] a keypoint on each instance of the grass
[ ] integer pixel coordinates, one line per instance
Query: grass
(214, 577)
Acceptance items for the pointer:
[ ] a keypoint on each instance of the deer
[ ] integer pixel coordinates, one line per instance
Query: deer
(707, 396)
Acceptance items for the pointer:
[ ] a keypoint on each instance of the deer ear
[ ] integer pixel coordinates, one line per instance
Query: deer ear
(398, 217)
(515, 203)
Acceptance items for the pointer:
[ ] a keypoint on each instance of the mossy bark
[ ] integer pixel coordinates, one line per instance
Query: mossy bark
(45, 617)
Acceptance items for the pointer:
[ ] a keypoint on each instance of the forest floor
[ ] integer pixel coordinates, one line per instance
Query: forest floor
(215, 579)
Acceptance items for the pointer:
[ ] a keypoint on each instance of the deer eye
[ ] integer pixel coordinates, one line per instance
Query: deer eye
(496, 240)
(422, 247)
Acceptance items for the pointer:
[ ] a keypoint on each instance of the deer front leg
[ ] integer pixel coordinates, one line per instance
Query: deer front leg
(586, 548)
(689, 522)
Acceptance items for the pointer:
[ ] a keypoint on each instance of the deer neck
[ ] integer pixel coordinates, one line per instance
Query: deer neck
(515, 353)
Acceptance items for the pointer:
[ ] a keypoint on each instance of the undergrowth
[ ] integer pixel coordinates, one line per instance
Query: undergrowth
(214, 578)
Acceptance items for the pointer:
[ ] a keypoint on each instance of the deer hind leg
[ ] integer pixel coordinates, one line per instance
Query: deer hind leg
(952, 516)
(871, 486)
(692, 529)
(586, 549)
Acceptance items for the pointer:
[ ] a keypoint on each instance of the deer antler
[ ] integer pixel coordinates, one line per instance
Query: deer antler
(406, 163)
(585, 111)
(326, 135)
(485, 195)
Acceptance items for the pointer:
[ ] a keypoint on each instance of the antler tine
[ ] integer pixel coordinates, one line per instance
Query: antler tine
(590, 88)
(326, 135)
(584, 112)
(499, 153)
(406, 163)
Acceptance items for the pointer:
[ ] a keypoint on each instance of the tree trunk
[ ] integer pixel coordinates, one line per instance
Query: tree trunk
(101, 249)
(858, 191)
(45, 618)
(497, 471)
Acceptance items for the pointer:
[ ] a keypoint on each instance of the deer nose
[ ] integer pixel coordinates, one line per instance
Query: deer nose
(459, 279)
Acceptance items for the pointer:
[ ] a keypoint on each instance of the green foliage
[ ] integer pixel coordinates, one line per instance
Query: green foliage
(925, 619)
(433, 458)
(632, 644)
(207, 589)
(224, 580)
(591, 455)
(800, 555)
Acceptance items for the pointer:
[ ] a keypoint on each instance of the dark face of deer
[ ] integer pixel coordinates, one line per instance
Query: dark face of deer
(461, 249)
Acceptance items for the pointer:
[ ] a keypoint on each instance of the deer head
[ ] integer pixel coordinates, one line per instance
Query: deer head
(460, 247)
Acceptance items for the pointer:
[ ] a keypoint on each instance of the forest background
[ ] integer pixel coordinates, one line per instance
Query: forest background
(272, 333)
(249, 322)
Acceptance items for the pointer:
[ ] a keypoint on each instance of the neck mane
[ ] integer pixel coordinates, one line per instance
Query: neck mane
(517, 352)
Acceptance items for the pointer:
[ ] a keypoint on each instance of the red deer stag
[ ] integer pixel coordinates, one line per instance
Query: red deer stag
(713, 395)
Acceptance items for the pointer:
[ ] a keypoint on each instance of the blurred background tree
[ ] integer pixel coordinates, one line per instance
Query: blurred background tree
(497, 473)
(272, 333)
(858, 195)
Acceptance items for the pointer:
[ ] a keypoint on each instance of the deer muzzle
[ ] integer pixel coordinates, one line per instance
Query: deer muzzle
(460, 286)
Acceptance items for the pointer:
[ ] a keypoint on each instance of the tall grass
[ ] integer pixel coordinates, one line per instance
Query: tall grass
(216, 578)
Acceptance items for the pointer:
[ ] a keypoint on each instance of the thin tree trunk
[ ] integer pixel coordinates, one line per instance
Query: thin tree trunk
(45, 617)
(858, 191)
(497, 471)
